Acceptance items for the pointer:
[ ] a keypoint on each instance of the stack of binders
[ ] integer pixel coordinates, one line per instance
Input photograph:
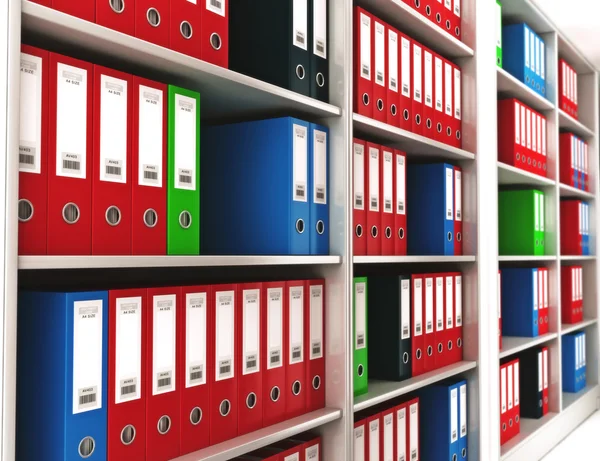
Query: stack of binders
(567, 81)
(533, 382)
(521, 222)
(573, 362)
(510, 406)
(380, 179)
(197, 29)
(522, 137)
(390, 434)
(264, 188)
(161, 372)
(444, 414)
(360, 344)
(525, 311)
(574, 227)
(300, 447)
(435, 201)
(499, 53)
(93, 156)
(524, 56)
(572, 294)
(400, 82)
(574, 160)
(293, 55)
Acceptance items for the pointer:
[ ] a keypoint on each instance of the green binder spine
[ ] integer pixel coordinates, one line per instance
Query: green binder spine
(183, 170)
(498, 34)
(360, 327)
(519, 229)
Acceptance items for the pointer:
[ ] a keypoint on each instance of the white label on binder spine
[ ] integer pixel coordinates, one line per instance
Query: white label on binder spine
(224, 332)
(414, 434)
(523, 126)
(71, 121)
(542, 58)
(564, 78)
(575, 87)
(195, 339)
(538, 120)
(360, 314)
(274, 327)
(365, 46)
(448, 89)
(216, 6)
(573, 151)
(428, 79)
(533, 132)
(439, 103)
(449, 302)
(545, 276)
(300, 24)
(517, 127)
(186, 125)
(359, 177)
(528, 129)
(428, 305)
(542, 215)
(388, 437)
(457, 97)
(418, 311)
(540, 371)
(401, 433)
(113, 129)
(537, 56)
(545, 352)
(536, 214)
(405, 67)
(439, 304)
(583, 349)
(458, 194)
(373, 179)
(374, 439)
(449, 194)
(30, 126)
(457, 8)
(312, 453)
(400, 185)
(379, 54)
(359, 443)
(316, 322)
(516, 381)
(417, 74)
(87, 355)
(251, 332)
(164, 317)
(296, 324)
(458, 300)
(503, 390)
(526, 47)
(453, 415)
(388, 170)
(448, 4)
(569, 81)
(509, 373)
(320, 28)
(535, 289)
(320, 167)
(544, 137)
(498, 25)
(405, 300)
(150, 136)
(300, 167)
(128, 349)
(463, 411)
(532, 50)
(392, 61)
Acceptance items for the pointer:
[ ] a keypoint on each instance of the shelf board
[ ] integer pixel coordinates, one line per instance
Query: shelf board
(511, 87)
(413, 144)
(401, 16)
(411, 259)
(113, 262)
(526, 258)
(576, 258)
(567, 328)
(224, 93)
(514, 344)
(570, 191)
(263, 437)
(566, 122)
(381, 391)
(569, 398)
(529, 427)
(511, 176)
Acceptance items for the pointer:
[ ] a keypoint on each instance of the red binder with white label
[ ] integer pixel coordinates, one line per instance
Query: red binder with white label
(457, 95)
(458, 214)
(373, 438)
(314, 338)
(428, 94)
(359, 214)
(416, 320)
(214, 29)
(448, 103)
(295, 349)
(379, 31)
(439, 284)
(373, 199)
(405, 110)
(33, 151)
(417, 88)
(429, 323)
(386, 194)
(393, 77)
(457, 356)
(400, 236)
(413, 428)
(363, 62)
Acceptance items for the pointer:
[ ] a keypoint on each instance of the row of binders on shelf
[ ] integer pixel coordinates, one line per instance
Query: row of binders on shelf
(159, 372)
(446, 14)
(567, 82)
(400, 82)
(574, 227)
(573, 362)
(199, 29)
(521, 222)
(524, 297)
(110, 164)
(524, 390)
(574, 160)
(572, 294)
(385, 187)
(414, 326)
(522, 137)
(301, 447)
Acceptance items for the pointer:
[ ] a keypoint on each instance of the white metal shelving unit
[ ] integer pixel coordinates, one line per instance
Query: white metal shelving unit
(228, 94)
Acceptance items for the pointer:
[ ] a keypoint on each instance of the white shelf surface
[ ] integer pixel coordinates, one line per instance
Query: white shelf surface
(570, 398)
(263, 437)
(110, 262)
(529, 427)
(224, 92)
(511, 87)
(411, 259)
(577, 258)
(567, 328)
(512, 176)
(566, 122)
(570, 191)
(525, 258)
(400, 15)
(515, 344)
(514, 11)
(382, 391)
(415, 145)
